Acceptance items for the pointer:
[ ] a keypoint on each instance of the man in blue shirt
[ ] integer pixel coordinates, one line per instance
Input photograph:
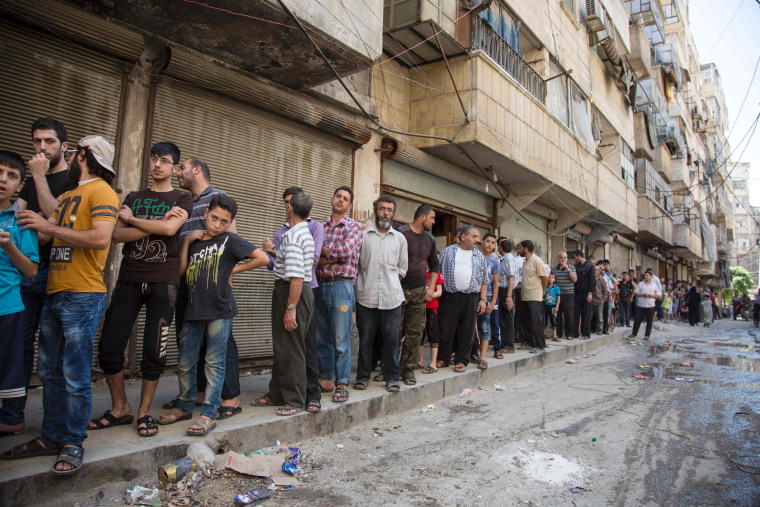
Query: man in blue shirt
(491, 314)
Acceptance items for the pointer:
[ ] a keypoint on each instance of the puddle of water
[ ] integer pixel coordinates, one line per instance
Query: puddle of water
(749, 364)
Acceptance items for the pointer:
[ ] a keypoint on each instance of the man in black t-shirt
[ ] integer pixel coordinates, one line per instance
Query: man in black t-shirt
(47, 180)
(149, 276)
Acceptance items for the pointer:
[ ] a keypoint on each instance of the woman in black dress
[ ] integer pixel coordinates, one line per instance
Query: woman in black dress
(694, 301)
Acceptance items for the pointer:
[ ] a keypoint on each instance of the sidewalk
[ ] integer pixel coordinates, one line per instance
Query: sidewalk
(119, 454)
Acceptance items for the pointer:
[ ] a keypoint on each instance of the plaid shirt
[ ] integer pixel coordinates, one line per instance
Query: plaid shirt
(344, 242)
(448, 258)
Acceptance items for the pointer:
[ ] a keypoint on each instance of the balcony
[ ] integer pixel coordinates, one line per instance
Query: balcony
(641, 53)
(687, 243)
(672, 136)
(655, 226)
(487, 40)
(649, 14)
(722, 239)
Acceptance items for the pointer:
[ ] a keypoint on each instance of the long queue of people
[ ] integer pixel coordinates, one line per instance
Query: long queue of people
(181, 253)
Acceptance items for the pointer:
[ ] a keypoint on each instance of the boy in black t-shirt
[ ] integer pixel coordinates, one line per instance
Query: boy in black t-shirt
(149, 276)
(209, 259)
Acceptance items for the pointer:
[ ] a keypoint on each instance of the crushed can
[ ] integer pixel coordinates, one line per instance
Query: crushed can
(175, 471)
(252, 497)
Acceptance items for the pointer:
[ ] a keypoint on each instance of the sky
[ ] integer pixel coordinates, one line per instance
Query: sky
(734, 46)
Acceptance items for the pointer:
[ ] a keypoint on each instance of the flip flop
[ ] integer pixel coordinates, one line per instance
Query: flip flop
(112, 421)
(150, 429)
(227, 412)
(29, 449)
(72, 455)
(430, 369)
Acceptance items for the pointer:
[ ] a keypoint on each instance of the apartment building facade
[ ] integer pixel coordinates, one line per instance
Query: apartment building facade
(745, 251)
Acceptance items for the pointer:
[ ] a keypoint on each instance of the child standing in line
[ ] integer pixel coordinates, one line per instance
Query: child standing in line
(551, 303)
(667, 299)
(18, 256)
(431, 327)
(209, 259)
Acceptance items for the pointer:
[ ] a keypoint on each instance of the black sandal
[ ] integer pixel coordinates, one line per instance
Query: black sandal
(73, 456)
(410, 381)
(393, 388)
(173, 404)
(29, 449)
(313, 406)
(112, 421)
(225, 411)
(150, 428)
(341, 395)
(360, 385)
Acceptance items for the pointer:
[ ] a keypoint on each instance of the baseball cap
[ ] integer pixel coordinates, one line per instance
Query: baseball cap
(101, 148)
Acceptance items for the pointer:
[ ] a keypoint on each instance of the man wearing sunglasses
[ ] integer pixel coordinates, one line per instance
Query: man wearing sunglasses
(149, 276)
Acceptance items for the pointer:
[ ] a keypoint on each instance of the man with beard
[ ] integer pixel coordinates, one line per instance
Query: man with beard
(149, 276)
(194, 175)
(422, 257)
(383, 263)
(81, 228)
(47, 180)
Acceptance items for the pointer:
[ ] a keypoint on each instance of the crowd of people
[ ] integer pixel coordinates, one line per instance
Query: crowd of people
(181, 253)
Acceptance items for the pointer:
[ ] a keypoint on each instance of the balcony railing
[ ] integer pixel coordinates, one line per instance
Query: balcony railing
(650, 183)
(491, 43)
(648, 13)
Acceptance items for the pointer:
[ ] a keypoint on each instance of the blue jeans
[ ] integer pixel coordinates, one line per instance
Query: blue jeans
(216, 332)
(484, 328)
(67, 341)
(33, 295)
(333, 305)
(495, 327)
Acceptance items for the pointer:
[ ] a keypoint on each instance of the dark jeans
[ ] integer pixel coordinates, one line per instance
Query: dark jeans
(522, 320)
(33, 295)
(312, 363)
(457, 312)
(606, 317)
(641, 314)
(506, 323)
(388, 322)
(535, 312)
(549, 317)
(582, 319)
(231, 386)
(624, 318)
(565, 317)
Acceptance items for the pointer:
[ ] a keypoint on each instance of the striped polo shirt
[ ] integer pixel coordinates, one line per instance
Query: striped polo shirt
(562, 279)
(295, 256)
(196, 220)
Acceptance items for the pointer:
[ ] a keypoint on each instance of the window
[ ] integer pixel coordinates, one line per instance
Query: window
(568, 4)
(626, 163)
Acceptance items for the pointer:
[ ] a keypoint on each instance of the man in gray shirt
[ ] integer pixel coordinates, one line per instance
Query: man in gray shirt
(507, 271)
(565, 278)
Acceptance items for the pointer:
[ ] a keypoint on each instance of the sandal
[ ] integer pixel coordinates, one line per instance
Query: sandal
(482, 365)
(393, 388)
(30, 449)
(326, 386)
(378, 378)
(360, 386)
(287, 410)
(313, 406)
(430, 369)
(173, 416)
(410, 381)
(227, 411)
(173, 404)
(497, 354)
(441, 364)
(11, 430)
(72, 455)
(149, 428)
(264, 401)
(341, 394)
(203, 424)
(459, 368)
(112, 421)
(419, 366)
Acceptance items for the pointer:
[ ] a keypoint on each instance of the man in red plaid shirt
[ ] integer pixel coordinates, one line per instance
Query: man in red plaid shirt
(334, 298)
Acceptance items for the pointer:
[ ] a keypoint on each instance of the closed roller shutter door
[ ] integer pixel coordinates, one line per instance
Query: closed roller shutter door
(253, 156)
(619, 257)
(44, 76)
(420, 183)
(518, 229)
(648, 262)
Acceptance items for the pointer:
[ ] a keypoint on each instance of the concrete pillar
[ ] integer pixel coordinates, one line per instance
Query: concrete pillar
(366, 184)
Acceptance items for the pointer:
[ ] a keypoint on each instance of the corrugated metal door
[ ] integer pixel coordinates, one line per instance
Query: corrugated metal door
(619, 257)
(648, 262)
(46, 76)
(253, 156)
(406, 178)
(517, 229)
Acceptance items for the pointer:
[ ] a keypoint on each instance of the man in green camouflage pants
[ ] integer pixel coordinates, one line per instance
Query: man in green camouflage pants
(422, 257)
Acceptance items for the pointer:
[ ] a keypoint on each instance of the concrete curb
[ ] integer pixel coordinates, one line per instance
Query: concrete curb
(30, 482)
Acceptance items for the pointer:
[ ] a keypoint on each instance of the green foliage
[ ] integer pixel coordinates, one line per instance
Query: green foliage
(741, 279)
(728, 294)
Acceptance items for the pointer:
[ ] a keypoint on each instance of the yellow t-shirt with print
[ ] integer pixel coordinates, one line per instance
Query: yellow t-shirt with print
(76, 269)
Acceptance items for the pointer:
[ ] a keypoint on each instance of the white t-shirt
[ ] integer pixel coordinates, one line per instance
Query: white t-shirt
(463, 269)
(647, 288)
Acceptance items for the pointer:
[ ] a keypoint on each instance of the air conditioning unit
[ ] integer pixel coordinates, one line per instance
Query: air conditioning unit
(594, 15)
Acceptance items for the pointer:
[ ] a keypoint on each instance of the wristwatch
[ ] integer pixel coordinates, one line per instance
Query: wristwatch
(291, 306)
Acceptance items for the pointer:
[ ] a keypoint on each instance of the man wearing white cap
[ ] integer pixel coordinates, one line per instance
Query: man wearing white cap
(81, 228)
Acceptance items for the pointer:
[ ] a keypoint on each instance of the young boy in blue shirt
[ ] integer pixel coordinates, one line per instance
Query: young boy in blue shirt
(551, 303)
(18, 256)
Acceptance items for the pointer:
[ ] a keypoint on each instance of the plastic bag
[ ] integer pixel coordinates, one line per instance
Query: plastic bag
(203, 456)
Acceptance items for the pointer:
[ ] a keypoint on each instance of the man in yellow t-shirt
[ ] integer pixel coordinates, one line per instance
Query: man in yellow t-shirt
(81, 229)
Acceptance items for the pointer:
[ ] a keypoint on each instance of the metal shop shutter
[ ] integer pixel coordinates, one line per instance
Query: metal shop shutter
(619, 257)
(46, 76)
(517, 229)
(648, 262)
(253, 156)
(403, 177)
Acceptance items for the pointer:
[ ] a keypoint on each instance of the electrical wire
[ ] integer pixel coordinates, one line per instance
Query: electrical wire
(725, 28)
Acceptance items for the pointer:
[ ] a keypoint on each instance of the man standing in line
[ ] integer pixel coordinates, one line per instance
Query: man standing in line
(584, 290)
(149, 276)
(422, 257)
(194, 175)
(507, 269)
(534, 281)
(383, 264)
(464, 277)
(47, 180)
(565, 278)
(334, 299)
(313, 395)
(484, 321)
(625, 292)
(521, 315)
(646, 294)
(81, 228)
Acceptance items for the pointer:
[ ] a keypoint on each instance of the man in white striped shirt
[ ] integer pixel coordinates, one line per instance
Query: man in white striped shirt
(292, 309)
